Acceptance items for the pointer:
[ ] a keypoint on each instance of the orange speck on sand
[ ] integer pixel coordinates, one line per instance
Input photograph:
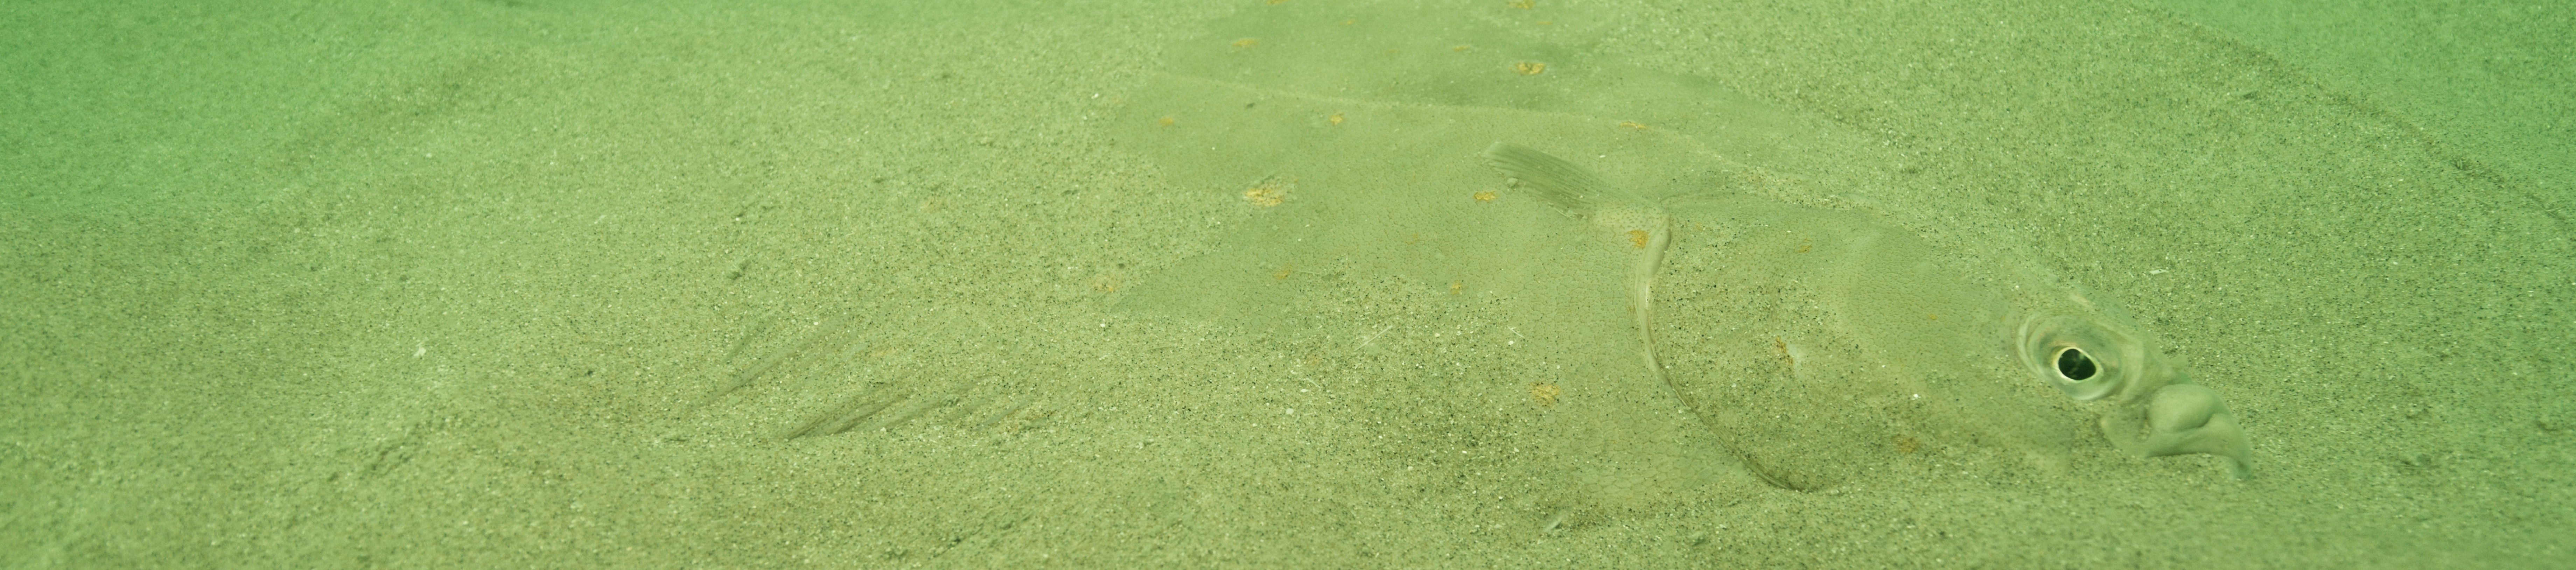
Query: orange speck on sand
(1268, 192)
(1485, 196)
(1637, 237)
(1529, 68)
(1544, 393)
(1263, 197)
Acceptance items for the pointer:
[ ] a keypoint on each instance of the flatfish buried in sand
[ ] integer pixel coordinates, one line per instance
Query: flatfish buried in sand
(1817, 344)
(1817, 338)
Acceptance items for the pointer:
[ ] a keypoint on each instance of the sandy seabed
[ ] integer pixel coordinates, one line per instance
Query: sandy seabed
(575, 284)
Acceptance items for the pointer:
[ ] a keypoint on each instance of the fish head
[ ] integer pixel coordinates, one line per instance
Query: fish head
(2147, 403)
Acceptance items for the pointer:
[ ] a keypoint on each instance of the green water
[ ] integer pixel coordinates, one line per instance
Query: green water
(572, 284)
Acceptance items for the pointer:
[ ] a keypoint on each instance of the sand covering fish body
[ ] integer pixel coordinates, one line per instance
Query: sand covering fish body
(1816, 340)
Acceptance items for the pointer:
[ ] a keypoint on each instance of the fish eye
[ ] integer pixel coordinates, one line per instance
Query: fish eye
(2074, 365)
(2062, 351)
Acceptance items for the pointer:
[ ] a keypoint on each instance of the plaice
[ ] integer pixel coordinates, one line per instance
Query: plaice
(1817, 344)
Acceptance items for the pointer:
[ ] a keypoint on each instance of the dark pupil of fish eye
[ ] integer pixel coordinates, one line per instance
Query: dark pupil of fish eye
(2074, 365)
